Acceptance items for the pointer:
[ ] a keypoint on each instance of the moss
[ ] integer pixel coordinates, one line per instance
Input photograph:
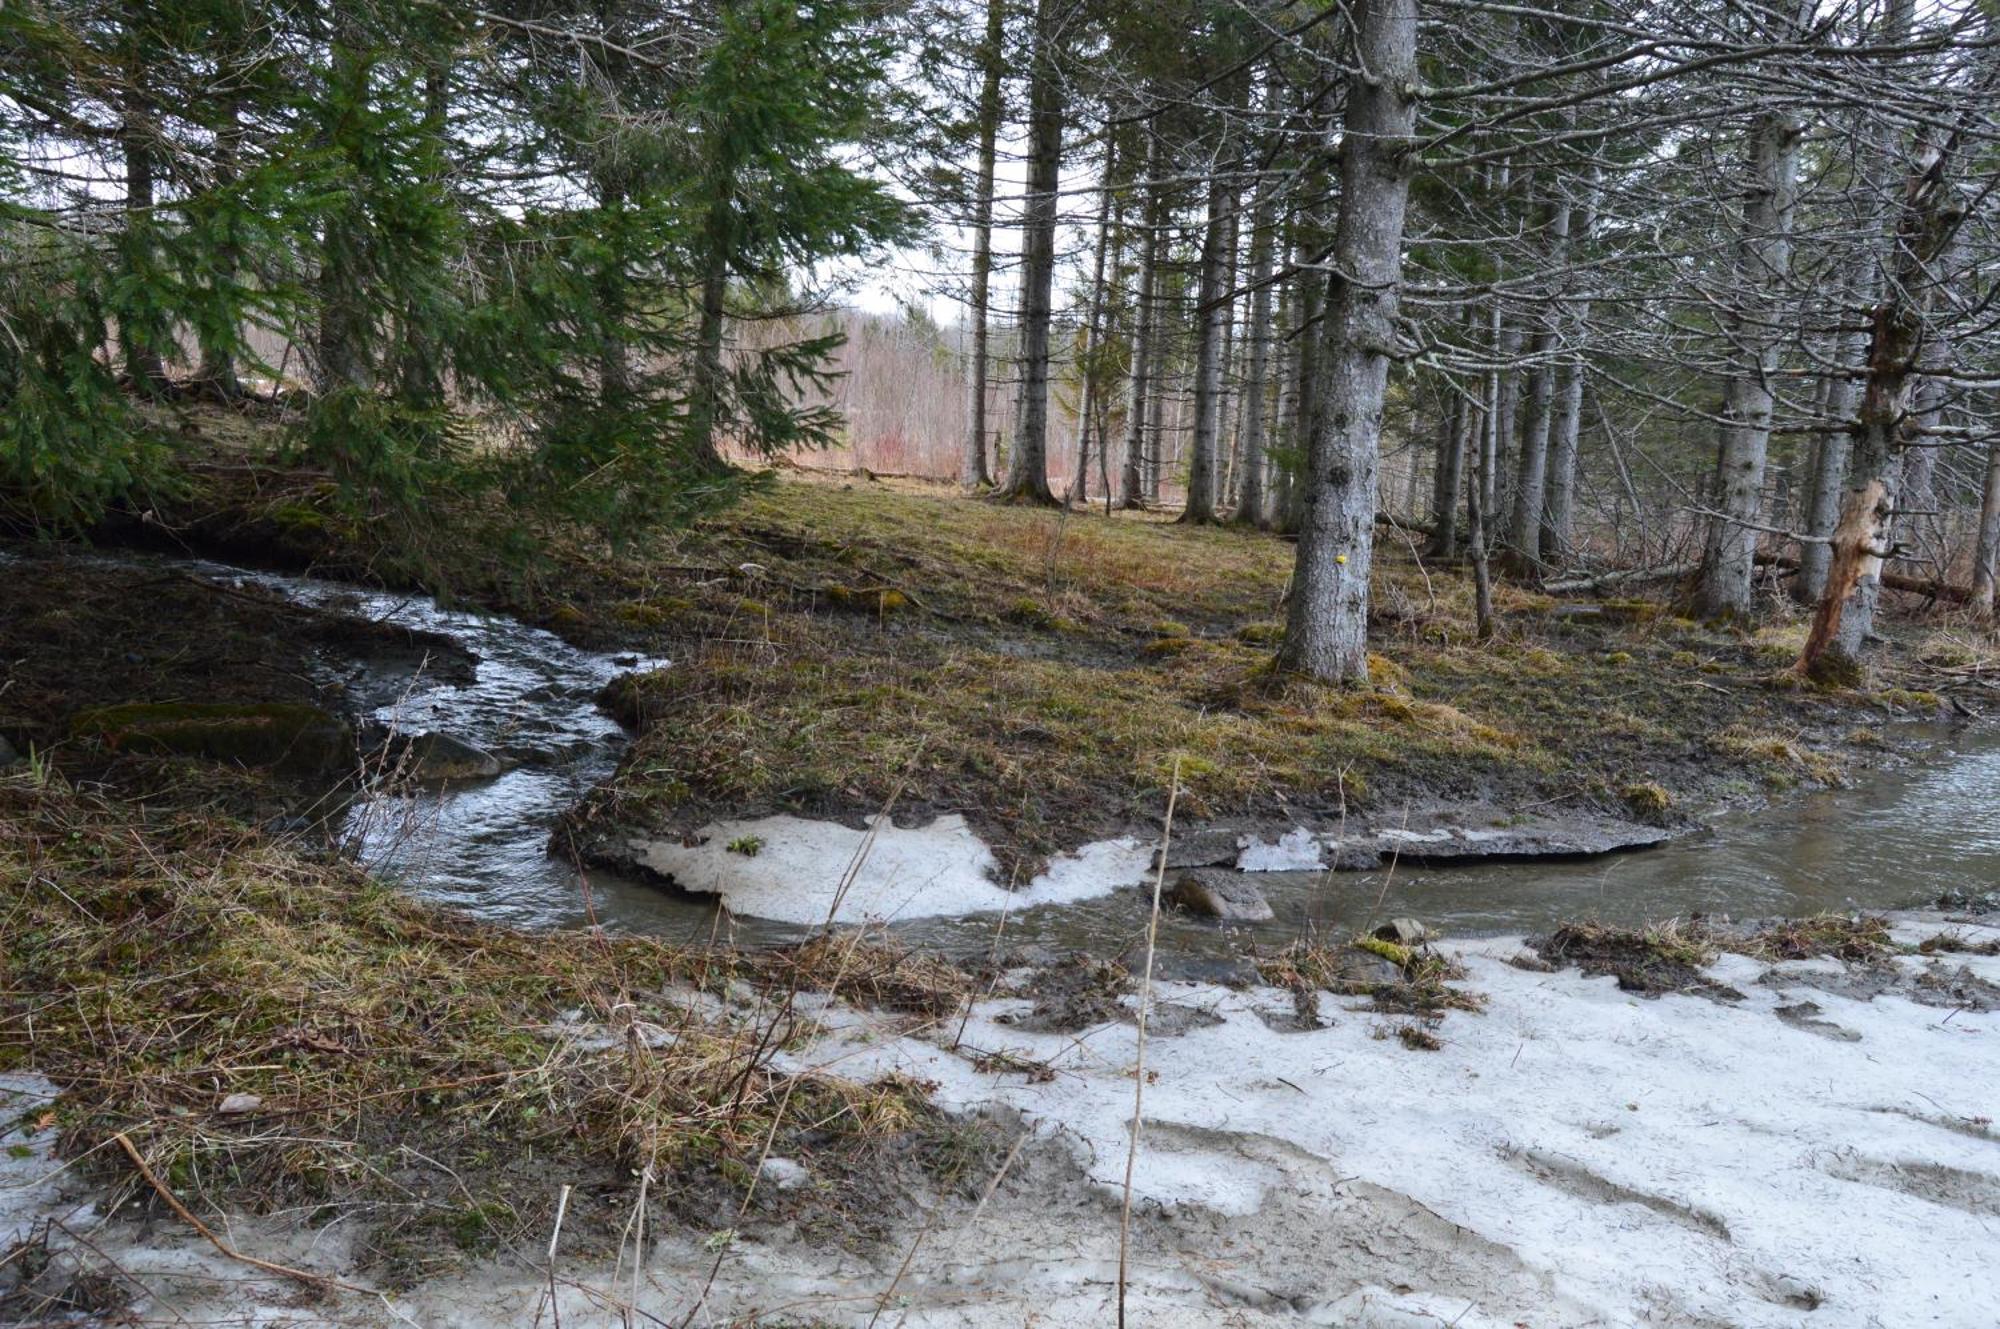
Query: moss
(1646, 800)
(1684, 660)
(1030, 614)
(1400, 956)
(1261, 634)
(640, 614)
(1166, 646)
(1908, 699)
(290, 736)
(1167, 627)
(1632, 611)
(1385, 673)
(1618, 659)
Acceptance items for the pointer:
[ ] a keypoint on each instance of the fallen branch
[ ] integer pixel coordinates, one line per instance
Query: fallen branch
(315, 1280)
(1625, 577)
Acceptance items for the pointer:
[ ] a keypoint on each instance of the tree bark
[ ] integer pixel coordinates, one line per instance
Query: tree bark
(145, 367)
(1531, 474)
(1862, 539)
(1086, 395)
(1212, 309)
(1763, 266)
(1252, 509)
(216, 374)
(1986, 550)
(973, 470)
(1028, 473)
(1326, 632)
(1132, 477)
(346, 325)
(1448, 478)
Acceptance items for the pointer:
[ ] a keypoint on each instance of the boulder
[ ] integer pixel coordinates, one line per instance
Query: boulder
(288, 736)
(1224, 895)
(441, 759)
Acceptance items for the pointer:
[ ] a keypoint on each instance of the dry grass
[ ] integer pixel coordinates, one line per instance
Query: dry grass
(275, 1032)
(1860, 938)
(1657, 958)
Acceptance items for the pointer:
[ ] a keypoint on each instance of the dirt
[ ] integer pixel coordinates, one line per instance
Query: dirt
(77, 634)
(1650, 961)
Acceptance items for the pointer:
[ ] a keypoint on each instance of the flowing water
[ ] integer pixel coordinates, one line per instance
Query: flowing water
(1897, 838)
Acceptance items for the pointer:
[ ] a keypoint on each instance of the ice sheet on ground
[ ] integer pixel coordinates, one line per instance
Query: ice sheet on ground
(944, 869)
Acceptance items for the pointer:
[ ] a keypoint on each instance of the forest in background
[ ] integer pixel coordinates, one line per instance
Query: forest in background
(1616, 288)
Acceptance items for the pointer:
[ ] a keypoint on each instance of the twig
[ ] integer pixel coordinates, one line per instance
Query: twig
(1139, 1062)
(315, 1280)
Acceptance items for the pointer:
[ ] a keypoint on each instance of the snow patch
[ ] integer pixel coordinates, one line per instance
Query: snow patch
(1671, 1161)
(944, 869)
(1296, 851)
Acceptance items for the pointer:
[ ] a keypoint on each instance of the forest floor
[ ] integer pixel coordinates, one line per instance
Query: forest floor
(381, 1091)
(842, 643)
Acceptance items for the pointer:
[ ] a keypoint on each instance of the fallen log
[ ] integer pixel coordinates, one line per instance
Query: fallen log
(1938, 590)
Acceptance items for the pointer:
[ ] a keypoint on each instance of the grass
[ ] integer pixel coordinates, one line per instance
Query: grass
(432, 1073)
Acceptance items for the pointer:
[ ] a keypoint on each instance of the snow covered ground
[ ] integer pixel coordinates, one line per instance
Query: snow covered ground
(803, 871)
(1574, 1155)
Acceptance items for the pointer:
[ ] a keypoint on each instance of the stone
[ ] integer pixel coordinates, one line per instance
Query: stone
(7, 754)
(1404, 932)
(236, 1104)
(783, 1174)
(293, 737)
(1222, 895)
(440, 758)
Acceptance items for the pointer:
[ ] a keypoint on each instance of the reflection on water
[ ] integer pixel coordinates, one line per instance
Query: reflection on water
(1898, 838)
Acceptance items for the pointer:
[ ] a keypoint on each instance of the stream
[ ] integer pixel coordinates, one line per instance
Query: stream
(1899, 837)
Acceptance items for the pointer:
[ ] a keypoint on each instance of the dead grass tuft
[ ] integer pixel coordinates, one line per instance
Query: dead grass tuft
(1861, 937)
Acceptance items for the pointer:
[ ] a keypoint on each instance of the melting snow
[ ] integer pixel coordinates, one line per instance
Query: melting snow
(939, 870)
(1658, 1161)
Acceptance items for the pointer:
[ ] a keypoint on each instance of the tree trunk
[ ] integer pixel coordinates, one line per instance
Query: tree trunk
(1448, 478)
(1862, 539)
(346, 324)
(1326, 633)
(423, 355)
(1028, 474)
(1986, 551)
(1763, 265)
(973, 470)
(1211, 310)
(144, 365)
(216, 374)
(708, 398)
(1132, 478)
(1532, 467)
(1252, 507)
(1312, 300)
(1559, 517)
(1086, 395)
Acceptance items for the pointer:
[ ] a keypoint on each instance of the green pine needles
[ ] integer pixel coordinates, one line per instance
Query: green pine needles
(504, 251)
